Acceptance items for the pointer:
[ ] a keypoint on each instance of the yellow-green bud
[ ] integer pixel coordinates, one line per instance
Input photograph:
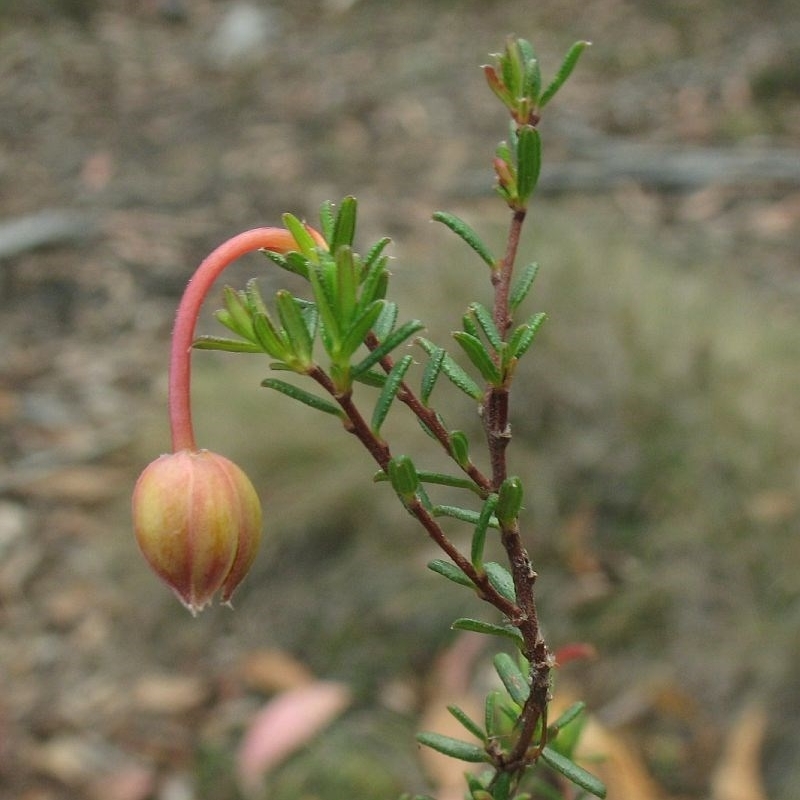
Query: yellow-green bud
(197, 520)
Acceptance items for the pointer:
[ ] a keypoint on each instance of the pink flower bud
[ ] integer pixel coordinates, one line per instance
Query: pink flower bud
(197, 520)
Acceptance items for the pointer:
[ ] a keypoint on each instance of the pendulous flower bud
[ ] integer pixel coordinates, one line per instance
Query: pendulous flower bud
(197, 520)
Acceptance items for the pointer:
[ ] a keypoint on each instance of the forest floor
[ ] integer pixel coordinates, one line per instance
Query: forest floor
(659, 424)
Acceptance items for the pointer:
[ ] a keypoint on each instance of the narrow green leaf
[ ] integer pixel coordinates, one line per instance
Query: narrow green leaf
(403, 476)
(393, 340)
(371, 378)
(297, 263)
(305, 241)
(484, 319)
(295, 326)
(464, 514)
(270, 338)
(570, 770)
(455, 748)
(475, 784)
(533, 79)
(467, 722)
(570, 714)
(515, 682)
(478, 626)
(310, 316)
(454, 372)
(501, 786)
(374, 283)
(479, 535)
(511, 62)
(459, 448)
(239, 320)
(345, 227)
(463, 230)
(324, 298)
(469, 326)
(375, 251)
(275, 258)
(450, 571)
(490, 713)
(456, 481)
(565, 70)
(361, 326)
(386, 321)
(431, 373)
(509, 501)
(523, 337)
(224, 317)
(389, 392)
(296, 393)
(523, 286)
(501, 580)
(228, 345)
(529, 161)
(327, 219)
(480, 358)
(346, 284)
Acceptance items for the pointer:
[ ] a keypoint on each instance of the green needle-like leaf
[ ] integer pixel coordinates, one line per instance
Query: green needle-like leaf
(529, 161)
(296, 393)
(501, 580)
(450, 571)
(403, 477)
(327, 219)
(533, 79)
(238, 317)
(569, 769)
(567, 65)
(467, 722)
(392, 341)
(270, 338)
(431, 373)
(477, 354)
(462, 229)
(523, 286)
(509, 501)
(463, 514)
(459, 448)
(324, 297)
(490, 713)
(455, 748)
(386, 321)
(371, 378)
(515, 682)
(523, 337)
(295, 327)
(360, 328)
(479, 536)
(375, 251)
(346, 284)
(345, 227)
(389, 392)
(456, 481)
(570, 715)
(228, 345)
(305, 241)
(484, 319)
(374, 283)
(478, 626)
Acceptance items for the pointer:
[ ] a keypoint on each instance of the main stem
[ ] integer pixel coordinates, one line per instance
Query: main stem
(495, 413)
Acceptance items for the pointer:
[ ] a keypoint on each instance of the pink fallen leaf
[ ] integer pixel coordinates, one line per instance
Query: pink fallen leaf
(286, 723)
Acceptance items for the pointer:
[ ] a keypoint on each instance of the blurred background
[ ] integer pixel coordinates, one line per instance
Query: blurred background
(656, 422)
